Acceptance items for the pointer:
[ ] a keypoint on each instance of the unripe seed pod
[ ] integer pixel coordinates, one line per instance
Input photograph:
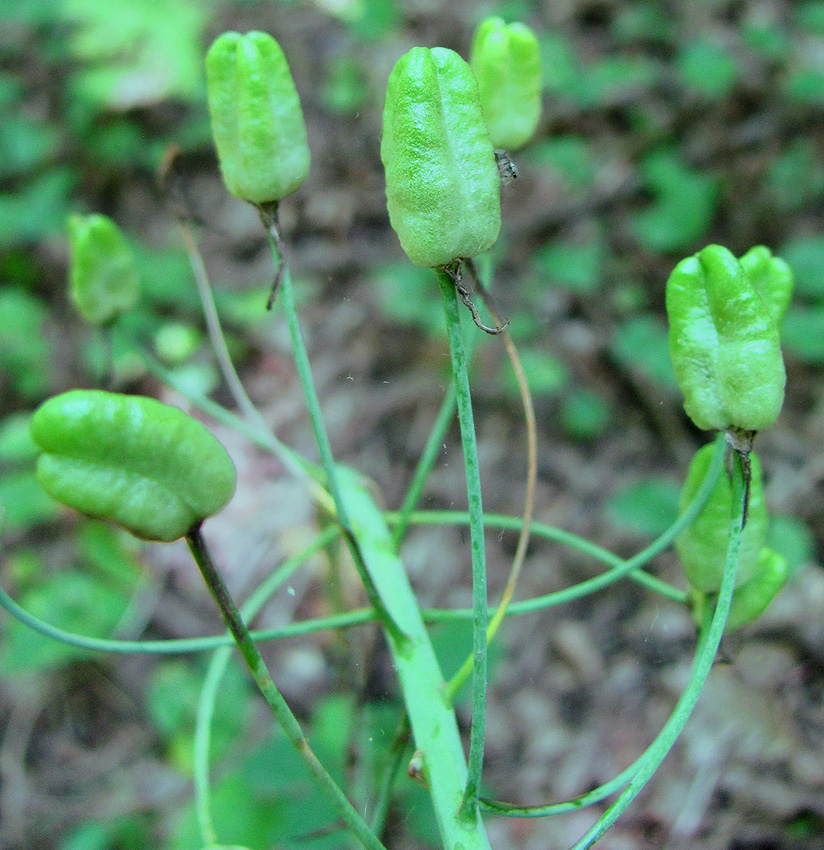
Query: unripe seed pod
(772, 279)
(257, 122)
(442, 185)
(133, 460)
(724, 344)
(507, 62)
(102, 276)
(751, 599)
(702, 546)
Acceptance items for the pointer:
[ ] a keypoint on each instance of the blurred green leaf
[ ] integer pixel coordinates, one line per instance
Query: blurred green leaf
(647, 507)
(38, 209)
(25, 353)
(805, 256)
(585, 415)
(373, 19)
(240, 816)
(147, 52)
(575, 266)
(560, 69)
(344, 89)
(27, 504)
(810, 16)
(112, 553)
(796, 175)
(172, 695)
(409, 295)
(25, 143)
(16, 444)
(571, 156)
(792, 538)
(802, 333)
(642, 21)
(545, 374)
(685, 203)
(72, 601)
(806, 86)
(640, 346)
(122, 833)
(707, 67)
(767, 38)
(617, 77)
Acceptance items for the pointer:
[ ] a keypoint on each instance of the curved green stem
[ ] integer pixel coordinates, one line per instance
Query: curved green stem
(619, 568)
(274, 698)
(476, 532)
(651, 760)
(214, 675)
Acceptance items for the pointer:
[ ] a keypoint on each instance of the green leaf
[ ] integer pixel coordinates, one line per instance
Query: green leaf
(577, 267)
(640, 346)
(38, 209)
(16, 444)
(647, 507)
(147, 52)
(796, 176)
(71, 601)
(684, 206)
(805, 86)
(545, 374)
(27, 504)
(805, 256)
(802, 333)
(792, 539)
(25, 353)
(408, 295)
(585, 415)
(707, 68)
(810, 16)
(240, 816)
(570, 156)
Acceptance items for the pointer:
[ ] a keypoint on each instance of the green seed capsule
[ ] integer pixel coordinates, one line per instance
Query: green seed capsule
(772, 279)
(507, 62)
(442, 185)
(132, 460)
(751, 599)
(102, 277)
(724, 344)
(257, 122)
(702, 546)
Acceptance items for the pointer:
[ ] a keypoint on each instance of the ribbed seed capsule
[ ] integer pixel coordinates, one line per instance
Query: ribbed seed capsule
(702, 546)
(772, 279)
(102, 276)
(724, 344)
(507, 62)
(751, 599)
(257, 122)
(133, 460)
(442, 185)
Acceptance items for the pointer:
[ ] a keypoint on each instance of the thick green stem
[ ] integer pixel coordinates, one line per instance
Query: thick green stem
(476, 532)
(319, 427)
(282, 712)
